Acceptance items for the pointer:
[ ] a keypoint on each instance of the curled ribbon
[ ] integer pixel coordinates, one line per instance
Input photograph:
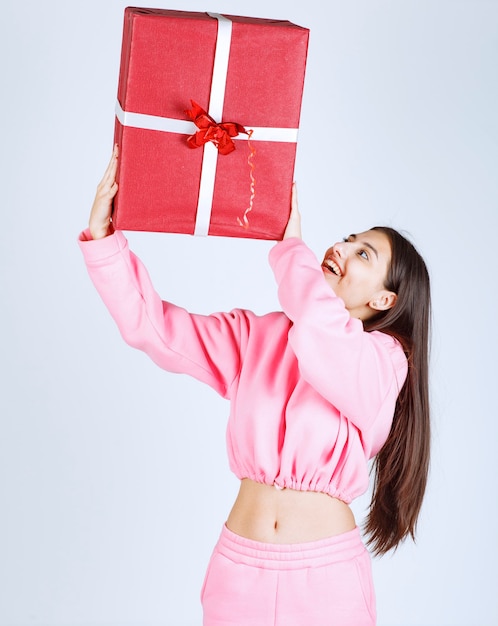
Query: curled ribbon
(244, 222)
(220, 134)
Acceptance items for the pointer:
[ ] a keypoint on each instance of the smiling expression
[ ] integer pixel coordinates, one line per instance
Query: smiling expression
(356, 270)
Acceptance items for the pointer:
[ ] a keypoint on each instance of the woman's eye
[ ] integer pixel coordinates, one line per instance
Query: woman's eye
(363, 254)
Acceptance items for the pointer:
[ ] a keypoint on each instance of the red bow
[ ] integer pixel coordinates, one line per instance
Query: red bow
(220, 134)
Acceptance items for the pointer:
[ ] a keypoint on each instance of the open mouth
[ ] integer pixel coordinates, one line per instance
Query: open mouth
(332, 266)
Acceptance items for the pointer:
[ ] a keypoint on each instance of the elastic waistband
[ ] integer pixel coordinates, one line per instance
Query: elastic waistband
(290, 555)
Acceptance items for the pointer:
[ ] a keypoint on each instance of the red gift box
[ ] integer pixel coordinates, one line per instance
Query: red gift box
(248, 75)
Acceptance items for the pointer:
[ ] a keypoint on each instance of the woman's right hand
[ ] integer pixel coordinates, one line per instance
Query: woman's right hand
(100, 216)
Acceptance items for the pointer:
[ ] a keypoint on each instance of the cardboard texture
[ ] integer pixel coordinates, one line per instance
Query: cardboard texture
(167, 62)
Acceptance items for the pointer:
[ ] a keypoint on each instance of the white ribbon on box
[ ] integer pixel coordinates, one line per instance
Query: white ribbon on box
(216, 101)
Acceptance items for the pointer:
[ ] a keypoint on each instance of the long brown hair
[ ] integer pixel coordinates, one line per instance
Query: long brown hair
(402, 465)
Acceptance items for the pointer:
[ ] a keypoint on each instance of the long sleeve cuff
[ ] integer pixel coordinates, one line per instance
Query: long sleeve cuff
(97, 249)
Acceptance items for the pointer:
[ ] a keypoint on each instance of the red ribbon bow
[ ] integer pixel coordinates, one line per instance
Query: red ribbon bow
(220, 134)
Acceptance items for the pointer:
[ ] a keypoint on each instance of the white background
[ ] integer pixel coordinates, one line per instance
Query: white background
(113, 476)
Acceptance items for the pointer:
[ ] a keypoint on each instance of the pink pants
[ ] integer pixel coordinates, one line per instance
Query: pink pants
(320, 583)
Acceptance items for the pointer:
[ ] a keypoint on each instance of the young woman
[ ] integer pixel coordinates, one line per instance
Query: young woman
(317, 390)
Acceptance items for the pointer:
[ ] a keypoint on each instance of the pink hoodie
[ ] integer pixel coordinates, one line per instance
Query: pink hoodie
(312, 395)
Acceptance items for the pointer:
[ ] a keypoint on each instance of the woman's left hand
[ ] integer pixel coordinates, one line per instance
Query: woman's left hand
(293, 228)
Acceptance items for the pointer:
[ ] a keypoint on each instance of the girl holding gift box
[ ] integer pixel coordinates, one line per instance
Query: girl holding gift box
(338, 377)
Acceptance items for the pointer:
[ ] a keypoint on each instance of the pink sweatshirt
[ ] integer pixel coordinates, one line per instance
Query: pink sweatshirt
(312, 395)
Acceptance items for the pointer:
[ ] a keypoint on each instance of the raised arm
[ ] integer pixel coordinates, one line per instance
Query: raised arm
(357, 371)
(204, 346)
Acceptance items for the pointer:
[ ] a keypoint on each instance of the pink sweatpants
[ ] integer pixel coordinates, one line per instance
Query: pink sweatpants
(320, 583)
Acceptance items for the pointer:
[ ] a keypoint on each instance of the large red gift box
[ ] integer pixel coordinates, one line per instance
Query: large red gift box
(192, 79)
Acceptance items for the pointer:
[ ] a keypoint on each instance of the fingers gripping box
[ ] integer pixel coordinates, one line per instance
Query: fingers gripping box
(206, 121)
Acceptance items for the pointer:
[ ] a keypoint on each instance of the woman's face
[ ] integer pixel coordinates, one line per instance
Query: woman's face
(356, 269)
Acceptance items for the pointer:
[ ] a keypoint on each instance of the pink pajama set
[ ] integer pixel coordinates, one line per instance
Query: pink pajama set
(312, 397)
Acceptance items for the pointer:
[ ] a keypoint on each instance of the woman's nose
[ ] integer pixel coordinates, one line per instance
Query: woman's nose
(339, 249)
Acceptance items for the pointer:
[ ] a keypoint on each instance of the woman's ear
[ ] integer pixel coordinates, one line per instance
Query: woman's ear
(383, 300)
